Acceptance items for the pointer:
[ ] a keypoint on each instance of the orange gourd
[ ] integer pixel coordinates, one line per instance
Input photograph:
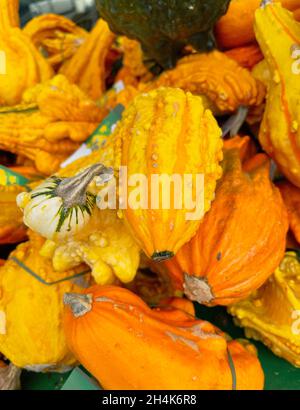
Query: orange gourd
(240, 241)
(57, 37)
(128, 346)
(47, 128)
(271, 314)
(217, 76)
(246, 56)
(291, 197)
(235, 29)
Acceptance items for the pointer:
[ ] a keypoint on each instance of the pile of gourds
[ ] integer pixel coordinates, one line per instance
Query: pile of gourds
(217, 97)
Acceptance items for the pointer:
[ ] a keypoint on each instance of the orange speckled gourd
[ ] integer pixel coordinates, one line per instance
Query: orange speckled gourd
(235, 29)
(56, 36)
(271, 314)
(109, 328)
(31, 333)
(247, 56)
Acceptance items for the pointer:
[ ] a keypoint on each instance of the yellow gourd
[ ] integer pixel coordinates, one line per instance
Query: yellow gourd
(21, 65)
(105, 245)
(31, 334)
(50, 124)
(271, 314)
(278, 34)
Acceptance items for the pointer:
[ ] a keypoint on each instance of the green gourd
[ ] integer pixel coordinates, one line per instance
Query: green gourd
(164, 27)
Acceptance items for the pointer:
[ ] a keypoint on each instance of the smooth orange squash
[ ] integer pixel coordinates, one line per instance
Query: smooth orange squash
(134, 69)
(291, 197)
(240, 241)
(246, 56)
(126, 345)
(271, 314)
(235, 29)
(12, 228)
(47, 128)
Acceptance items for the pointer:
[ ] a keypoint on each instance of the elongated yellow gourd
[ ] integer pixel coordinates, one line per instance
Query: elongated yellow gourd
(167, 135)
(278, 34)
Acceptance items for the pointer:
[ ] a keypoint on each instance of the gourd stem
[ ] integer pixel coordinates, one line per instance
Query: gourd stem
(73, 190)
(235, 122)
(10, 377)
(162, 256)
(197, 289)
(264, 3)
(79, 304)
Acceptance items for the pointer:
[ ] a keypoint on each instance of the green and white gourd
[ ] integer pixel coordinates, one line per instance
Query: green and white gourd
(62, 207)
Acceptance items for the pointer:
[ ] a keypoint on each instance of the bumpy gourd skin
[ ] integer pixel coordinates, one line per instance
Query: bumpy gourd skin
(87, 67)
(221, 79)
(23, 64)
(56, 36)
(54, 118)
(271, 313)
(278, 34)
(165, 27)
(169, 348)
(168, 131)
(31, 334)
(105, 244)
